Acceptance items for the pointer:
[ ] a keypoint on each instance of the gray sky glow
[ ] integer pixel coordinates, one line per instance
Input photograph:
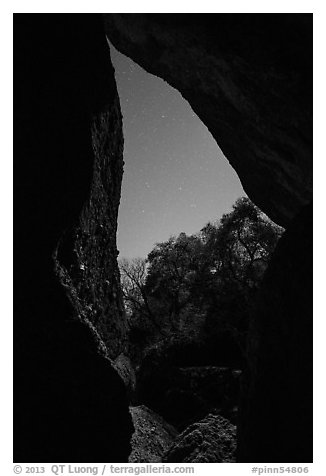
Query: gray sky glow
(176, 179)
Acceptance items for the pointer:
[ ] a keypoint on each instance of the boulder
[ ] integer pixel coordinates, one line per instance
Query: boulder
(125, 369)
(211, 440)
(152, 437)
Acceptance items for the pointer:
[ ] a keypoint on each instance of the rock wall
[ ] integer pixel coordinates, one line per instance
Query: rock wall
(69, 403)
(249, 79)
(276, 411)
(86, 255)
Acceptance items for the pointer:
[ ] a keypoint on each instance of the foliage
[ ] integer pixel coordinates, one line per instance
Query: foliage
(141, 315)
(133, 278)
(172, 269)
(237, 250)
(200, 283)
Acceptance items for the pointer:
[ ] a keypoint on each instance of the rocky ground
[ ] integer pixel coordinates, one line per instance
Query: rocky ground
(211, 440)
(152, 436)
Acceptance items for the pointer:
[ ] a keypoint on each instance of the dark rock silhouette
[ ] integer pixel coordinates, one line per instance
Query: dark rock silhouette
(249, 79)
(277, 394)
(185, 394)
(69, 403)
(211, 440)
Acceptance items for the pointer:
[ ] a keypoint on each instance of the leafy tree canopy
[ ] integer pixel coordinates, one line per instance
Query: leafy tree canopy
(208, 279)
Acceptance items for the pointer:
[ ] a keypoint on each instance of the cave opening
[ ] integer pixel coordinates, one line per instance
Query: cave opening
(72, 338)
(187, 320)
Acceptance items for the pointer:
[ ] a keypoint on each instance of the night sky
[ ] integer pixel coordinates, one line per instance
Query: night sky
(176, 178)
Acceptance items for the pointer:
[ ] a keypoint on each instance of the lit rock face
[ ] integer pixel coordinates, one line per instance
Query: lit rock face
(249, 79)
(152, 437)
(69, 402)
(86, 256)
(210, 440)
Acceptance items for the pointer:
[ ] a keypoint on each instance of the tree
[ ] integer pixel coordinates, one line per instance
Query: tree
(172, 267)
(203, 282)
(133, 274)
(238, 249)
(241, 244)
(133, 277)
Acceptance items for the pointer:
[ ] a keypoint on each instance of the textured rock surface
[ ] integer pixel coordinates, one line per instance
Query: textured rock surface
(277, 398)
(87, 253)
(69, 403)
(249, 78)
(125, 369)
(152, 437)
(211, 440)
